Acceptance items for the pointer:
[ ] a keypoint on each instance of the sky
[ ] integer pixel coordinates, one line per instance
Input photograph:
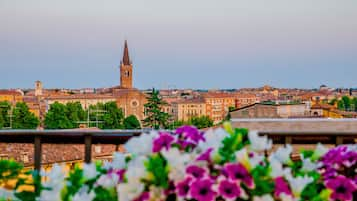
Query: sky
(206, 44)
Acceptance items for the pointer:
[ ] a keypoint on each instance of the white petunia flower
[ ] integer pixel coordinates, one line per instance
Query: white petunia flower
(117, 163)
(90, 171)
(108, 180)
(136, 170)
(55, 182)
(7, 194)
(177, 162)
(298, 184)
(243, 158)
(259, 143)
(141, 145)
(266, 197)
(277, 169)
(285, 197)
(282, 154)
(129, 191)
(256, 160)
(213, 138)
(84, 195)
(308, 165)
(319, 151)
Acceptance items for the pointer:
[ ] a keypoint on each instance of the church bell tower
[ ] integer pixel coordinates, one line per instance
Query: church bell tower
(126, 70)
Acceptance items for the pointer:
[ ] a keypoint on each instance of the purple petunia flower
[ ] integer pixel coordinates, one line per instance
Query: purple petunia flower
(349, 158)
(190, 133)
(228, 189)
(334, 157)
(238, 172)
(281, 186)
(163, 141)
(183, 187)
(201, 190)
(195, 171)
(342, 188)
(144, 196)
(205, 156)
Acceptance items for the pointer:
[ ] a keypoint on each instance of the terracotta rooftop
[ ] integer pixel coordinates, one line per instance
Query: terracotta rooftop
(10, 92)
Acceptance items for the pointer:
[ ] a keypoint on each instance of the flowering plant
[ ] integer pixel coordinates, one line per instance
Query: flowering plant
(187, 164)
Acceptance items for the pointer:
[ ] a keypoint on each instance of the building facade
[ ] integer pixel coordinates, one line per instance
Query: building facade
(218, 104)
(262, 110)
(186, 109)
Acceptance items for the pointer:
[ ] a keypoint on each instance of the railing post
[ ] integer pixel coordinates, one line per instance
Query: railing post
(37, 152)
(288, 139)
(87, 148)
(339, 140)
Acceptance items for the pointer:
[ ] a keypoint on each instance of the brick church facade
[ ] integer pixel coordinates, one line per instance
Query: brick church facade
(130, 99)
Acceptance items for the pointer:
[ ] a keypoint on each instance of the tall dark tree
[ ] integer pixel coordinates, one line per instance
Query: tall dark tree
(113, 117)
(56, 117)
(155, 117)
(131, 122)
(23, 118)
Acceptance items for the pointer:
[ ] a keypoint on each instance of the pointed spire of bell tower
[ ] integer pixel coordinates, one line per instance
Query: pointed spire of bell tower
(126, 70)
(126, 59)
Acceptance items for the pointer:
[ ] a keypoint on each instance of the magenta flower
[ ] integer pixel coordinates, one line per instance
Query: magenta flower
(195, 171)
(163, 141)
(349, 158)
(228, 189)
(342, 188)
(205, 156)
(183, 187)
(238, 172)
(334, 157)
(190, 133)
(143, 197)
(281, 186)
(201, 190)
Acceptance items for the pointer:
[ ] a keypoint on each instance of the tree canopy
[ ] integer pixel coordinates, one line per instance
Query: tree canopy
(56, 117)
(23, 118)
(199, 122)
(113, 117)
(5, 108)
(131, 122)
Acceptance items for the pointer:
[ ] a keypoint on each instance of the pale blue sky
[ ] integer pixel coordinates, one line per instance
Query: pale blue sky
(185, 43)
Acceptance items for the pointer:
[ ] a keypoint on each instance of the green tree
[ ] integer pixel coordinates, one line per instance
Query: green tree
(175, 124)
(354, 101)
(1, 121)
(333, 101)
(113, 117)
(23, 118)
(340, 105)
(131, 122)
(75, 113)
(201, 122)
(155, 117)
(56, 117)
(346, 102)
(5, 108)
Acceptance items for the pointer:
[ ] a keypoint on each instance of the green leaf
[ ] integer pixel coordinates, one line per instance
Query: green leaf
(157, 166)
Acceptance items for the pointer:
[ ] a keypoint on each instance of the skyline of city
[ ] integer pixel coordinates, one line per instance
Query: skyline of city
(207, 45)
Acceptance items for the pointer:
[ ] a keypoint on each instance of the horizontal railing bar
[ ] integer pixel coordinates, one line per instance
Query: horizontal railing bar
(293, 120)
(306, 133)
